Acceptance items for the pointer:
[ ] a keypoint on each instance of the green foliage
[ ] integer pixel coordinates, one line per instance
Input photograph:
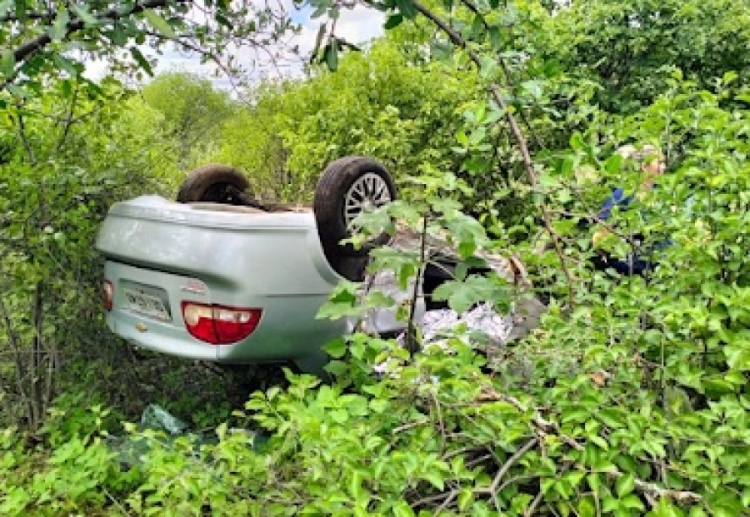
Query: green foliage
(631, 397)
(193, 113)
(375, 105)
(631, 402)
(42, 40)
(629, 47)
(68, 159)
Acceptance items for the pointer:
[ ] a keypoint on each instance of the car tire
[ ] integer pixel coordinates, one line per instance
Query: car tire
(215, 183)
(348, 187)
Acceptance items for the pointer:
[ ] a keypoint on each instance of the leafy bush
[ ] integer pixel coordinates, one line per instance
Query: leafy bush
(627, 48)
(193, 113)
(74, 153)
(630, 399)
(376, 104)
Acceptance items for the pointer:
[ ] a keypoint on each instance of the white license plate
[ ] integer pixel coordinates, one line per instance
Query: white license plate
(146, 304)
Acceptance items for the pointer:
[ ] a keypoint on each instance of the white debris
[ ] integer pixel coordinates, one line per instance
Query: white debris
(439, 325)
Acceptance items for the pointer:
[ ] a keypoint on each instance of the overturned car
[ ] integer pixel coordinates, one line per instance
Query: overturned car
(218, 276)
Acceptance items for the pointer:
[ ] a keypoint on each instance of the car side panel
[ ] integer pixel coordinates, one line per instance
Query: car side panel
(248, 253)
(273, 262)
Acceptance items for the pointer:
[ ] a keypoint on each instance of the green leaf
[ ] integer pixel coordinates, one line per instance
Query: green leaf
(533, 88)
(496, 40)
(665, 509)
(461, 295)
(407, 8)
(402, 509)
(85, 16)
(160, 24)
(7, 63)
(21, 8)
(355, 484)
(598, 440)
(117, 35)
(336, 348)
(625, 484)
(441, 50)
(331, 55)
(610, 504)
(465, 498)
(141, 60)
(66, 64)
(576, 141)
(435, 479)
(340, 303)
(611, 418)
(378, 405)
(729, 77)
(17, 91)
(336, 368)
(632, 502)
(59, 28)
(393, 21)
(477, 25)
(594, 480)
(586, 507)
(738, 355)
(613, 164)
(567, 166)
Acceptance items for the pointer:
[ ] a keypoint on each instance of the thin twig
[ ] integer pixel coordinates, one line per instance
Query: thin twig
(434, 498)
(657, 492)
(448, 500)
(25, 140)
(116, 502)
(69, 120)
(410, 425)
(411, 338)
(493, 489)
(511, 461)
(506, 72)
(15, 344)
(532, 507)
(30, 47)
(441, 423)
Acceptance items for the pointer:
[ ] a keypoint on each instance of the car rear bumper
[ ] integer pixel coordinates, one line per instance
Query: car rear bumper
(288, 328)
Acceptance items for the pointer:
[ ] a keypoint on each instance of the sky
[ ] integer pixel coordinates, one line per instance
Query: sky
(356, 26)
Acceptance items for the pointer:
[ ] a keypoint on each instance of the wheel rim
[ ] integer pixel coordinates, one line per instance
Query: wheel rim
(368, 192)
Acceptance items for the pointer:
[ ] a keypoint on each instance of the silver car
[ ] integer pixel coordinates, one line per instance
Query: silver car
(217, 276)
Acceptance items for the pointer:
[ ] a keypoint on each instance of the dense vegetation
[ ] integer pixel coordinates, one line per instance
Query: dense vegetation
(500, 122)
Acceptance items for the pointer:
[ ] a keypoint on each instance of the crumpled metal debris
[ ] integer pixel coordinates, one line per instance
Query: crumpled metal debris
(487, 327)
(482, 320)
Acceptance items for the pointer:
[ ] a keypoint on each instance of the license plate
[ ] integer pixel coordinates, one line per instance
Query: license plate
(147, 304)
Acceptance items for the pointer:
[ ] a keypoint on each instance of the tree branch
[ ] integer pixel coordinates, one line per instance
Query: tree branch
(493, 489)
(25, 50)
(13, 18)
(506, 72)
(69, 120)
(523, 147)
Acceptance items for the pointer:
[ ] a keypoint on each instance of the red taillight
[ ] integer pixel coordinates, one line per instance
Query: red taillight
(109, 295)
(219, 325)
